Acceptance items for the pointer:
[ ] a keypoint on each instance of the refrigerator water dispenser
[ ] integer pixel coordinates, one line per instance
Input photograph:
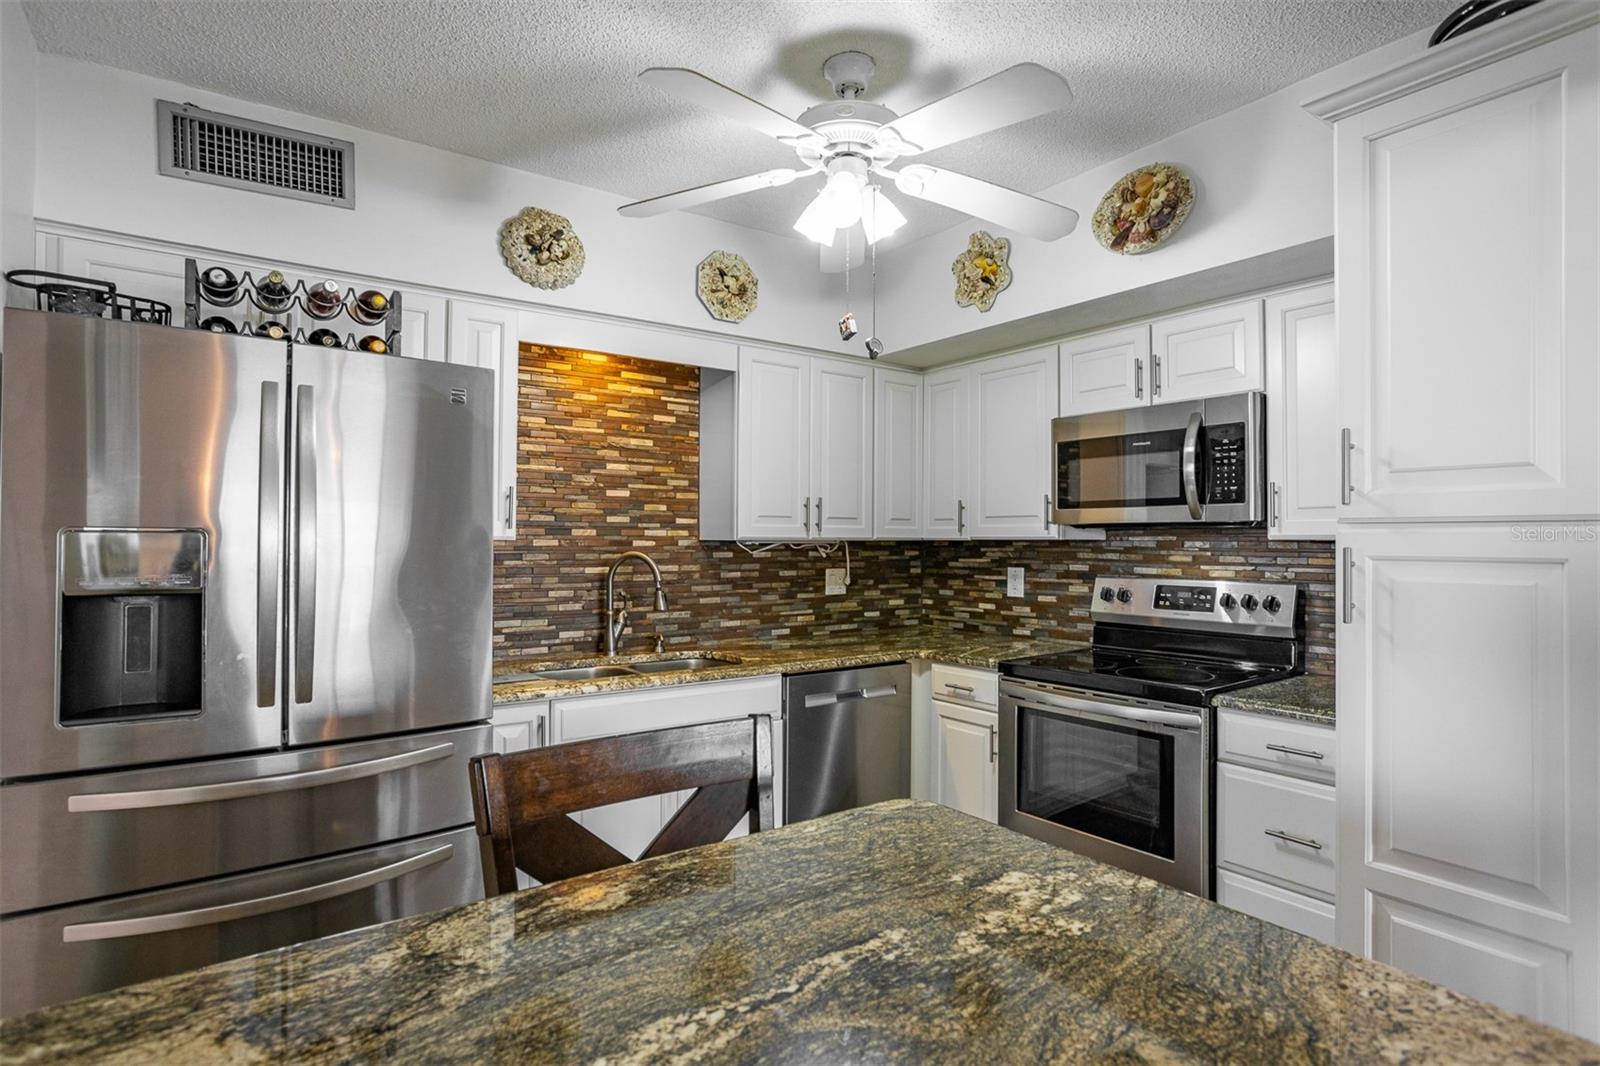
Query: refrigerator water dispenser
(132, 612)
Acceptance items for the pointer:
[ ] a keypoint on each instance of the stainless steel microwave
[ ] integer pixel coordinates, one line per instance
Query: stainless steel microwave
(1197, 461)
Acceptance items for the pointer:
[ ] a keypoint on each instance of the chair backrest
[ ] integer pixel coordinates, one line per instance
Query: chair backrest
(521, 801)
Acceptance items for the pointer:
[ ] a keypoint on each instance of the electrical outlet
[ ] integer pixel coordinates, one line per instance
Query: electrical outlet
(1014, 582)
(835, 581)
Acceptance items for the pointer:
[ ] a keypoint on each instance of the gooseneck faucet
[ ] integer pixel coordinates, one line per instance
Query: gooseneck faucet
(617, 617)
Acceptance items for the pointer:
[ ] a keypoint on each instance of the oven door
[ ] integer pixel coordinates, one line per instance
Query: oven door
(1121, 782)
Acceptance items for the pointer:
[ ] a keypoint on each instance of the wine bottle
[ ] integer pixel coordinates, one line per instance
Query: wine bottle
(218, 324)
(327, 338)
(375, 345)
(370, 307)
(324, 299)
(276, 330)
(272, 293)
(219, 285)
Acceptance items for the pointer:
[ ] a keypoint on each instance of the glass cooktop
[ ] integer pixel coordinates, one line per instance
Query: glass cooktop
(1190, 681)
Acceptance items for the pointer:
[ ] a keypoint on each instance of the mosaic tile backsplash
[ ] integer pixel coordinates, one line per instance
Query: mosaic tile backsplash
(608, 460)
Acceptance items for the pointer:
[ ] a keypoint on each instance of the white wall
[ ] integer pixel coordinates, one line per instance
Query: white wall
(18, 94)
(422, 215)
(1264, 177)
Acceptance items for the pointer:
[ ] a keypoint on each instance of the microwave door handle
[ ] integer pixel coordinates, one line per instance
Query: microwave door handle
(1191, 465)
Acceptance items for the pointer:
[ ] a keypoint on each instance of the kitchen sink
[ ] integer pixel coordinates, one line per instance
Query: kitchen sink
(583, 673)
(667, 666)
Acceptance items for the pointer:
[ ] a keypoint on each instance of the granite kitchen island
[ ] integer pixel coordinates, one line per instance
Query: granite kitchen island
(901, 932)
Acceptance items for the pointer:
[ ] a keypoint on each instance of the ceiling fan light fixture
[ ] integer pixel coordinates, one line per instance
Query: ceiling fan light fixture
(815, 224)
(879, 217)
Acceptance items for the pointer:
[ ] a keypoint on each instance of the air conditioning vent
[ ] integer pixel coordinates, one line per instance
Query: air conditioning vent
(241, 153)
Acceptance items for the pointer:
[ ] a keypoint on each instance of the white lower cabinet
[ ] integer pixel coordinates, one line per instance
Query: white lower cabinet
(521, 727)
(1276, 841)
(965, 759)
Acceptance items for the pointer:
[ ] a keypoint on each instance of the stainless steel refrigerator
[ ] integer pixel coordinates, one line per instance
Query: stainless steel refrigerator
(244, 645)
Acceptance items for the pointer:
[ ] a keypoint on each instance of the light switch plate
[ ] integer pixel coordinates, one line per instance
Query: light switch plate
(1014, 582)
(835, 581)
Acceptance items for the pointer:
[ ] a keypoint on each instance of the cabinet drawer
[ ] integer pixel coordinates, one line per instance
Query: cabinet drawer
(1282, 745)
(963, 684)
(638, 710)
(1292, 910)
(1257, 812)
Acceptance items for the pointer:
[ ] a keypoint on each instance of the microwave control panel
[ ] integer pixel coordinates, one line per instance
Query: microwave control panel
(1225, 463)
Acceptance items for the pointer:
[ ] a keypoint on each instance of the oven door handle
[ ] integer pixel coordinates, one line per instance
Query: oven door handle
(1191, 465)
(1111, 713)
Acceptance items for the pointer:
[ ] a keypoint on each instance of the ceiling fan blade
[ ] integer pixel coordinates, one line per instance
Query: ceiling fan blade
(832, 257)
(1024, 91)
(1014, 210)
(695, 88)
(704, 194)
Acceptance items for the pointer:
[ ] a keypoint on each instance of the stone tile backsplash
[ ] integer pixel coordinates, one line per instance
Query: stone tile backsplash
(608, 460)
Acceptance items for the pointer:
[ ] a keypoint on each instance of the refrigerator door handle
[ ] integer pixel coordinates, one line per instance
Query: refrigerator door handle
(305, 543)
(250, 908)
(269, 534)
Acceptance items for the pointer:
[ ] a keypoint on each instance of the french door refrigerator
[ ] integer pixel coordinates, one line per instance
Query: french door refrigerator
(244, 645)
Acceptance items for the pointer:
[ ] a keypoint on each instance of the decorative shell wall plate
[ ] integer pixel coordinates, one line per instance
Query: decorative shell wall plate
(541, 248)
(1144, 208)
(727, 286)
(982, 271)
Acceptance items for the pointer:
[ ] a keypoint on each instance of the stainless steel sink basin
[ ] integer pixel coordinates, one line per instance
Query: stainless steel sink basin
(583, 673)
(667, 666)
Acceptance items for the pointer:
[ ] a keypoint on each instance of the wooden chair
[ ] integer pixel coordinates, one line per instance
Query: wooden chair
(521, 801)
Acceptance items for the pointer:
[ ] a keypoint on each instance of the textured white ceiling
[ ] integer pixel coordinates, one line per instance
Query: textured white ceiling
(550, 88)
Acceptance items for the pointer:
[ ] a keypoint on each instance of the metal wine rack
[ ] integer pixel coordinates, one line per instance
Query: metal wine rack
(196, 301)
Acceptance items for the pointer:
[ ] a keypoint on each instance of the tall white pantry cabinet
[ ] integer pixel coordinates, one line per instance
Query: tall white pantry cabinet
(1469, 385)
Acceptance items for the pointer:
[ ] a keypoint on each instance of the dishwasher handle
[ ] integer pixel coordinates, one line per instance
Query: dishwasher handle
(828, 699)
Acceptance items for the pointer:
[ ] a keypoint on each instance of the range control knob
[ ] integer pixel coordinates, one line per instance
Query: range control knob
(1272, 603)
(1248, 602)
(1108, 593)
(1124, 596)
(1227, 601)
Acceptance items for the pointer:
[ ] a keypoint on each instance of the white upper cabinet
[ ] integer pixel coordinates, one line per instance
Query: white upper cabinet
(1013, 399)
(1467, 273)
(1106, 371)
(423, 327)
(1210, 352)
(774, 498)
(897, 453)
(485, 335)
(841, 448)
(944, 453)
(1302, 428)
(151, 273)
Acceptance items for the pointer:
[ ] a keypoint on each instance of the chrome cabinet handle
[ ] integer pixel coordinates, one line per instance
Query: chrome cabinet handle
(1349, 606)
(1155, 375)
(1275, 520)
(994, 744)
(953, 687)
(1138, 378)
(1346, 446)
(961, 517)
(539, 733)
(808, 516)
(1286, 750)
(819, 516)
(256, 786)
(1047, 512)
(305, 544)
(1290, 838)
(511, 505)
(269, 519)
(250, 908)
(1191, 464)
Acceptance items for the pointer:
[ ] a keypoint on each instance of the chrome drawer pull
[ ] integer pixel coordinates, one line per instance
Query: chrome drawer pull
(953, 687)
(1286, 750)
(1290, 838)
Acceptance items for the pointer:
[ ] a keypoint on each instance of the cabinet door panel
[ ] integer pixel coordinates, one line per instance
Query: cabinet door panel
(774, 445)
(1211, 352)
(1302, 415)
(485, 335)
(423, 326)
(897, 453)
(965, 771)
(1468, 740)
(135, 271)
(1106, 371)
(1013, 399)
(944, 454)
(1468, 353)
(841, 449)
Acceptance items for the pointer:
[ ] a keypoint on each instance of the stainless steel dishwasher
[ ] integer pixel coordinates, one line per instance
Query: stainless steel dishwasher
(847, 739)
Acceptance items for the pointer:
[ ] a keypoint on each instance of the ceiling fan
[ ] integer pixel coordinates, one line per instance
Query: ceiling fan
(853, 142)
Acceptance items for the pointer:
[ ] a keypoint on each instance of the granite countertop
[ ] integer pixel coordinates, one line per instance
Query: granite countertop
(1308, 697)
(981, 650)
(901, 932)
